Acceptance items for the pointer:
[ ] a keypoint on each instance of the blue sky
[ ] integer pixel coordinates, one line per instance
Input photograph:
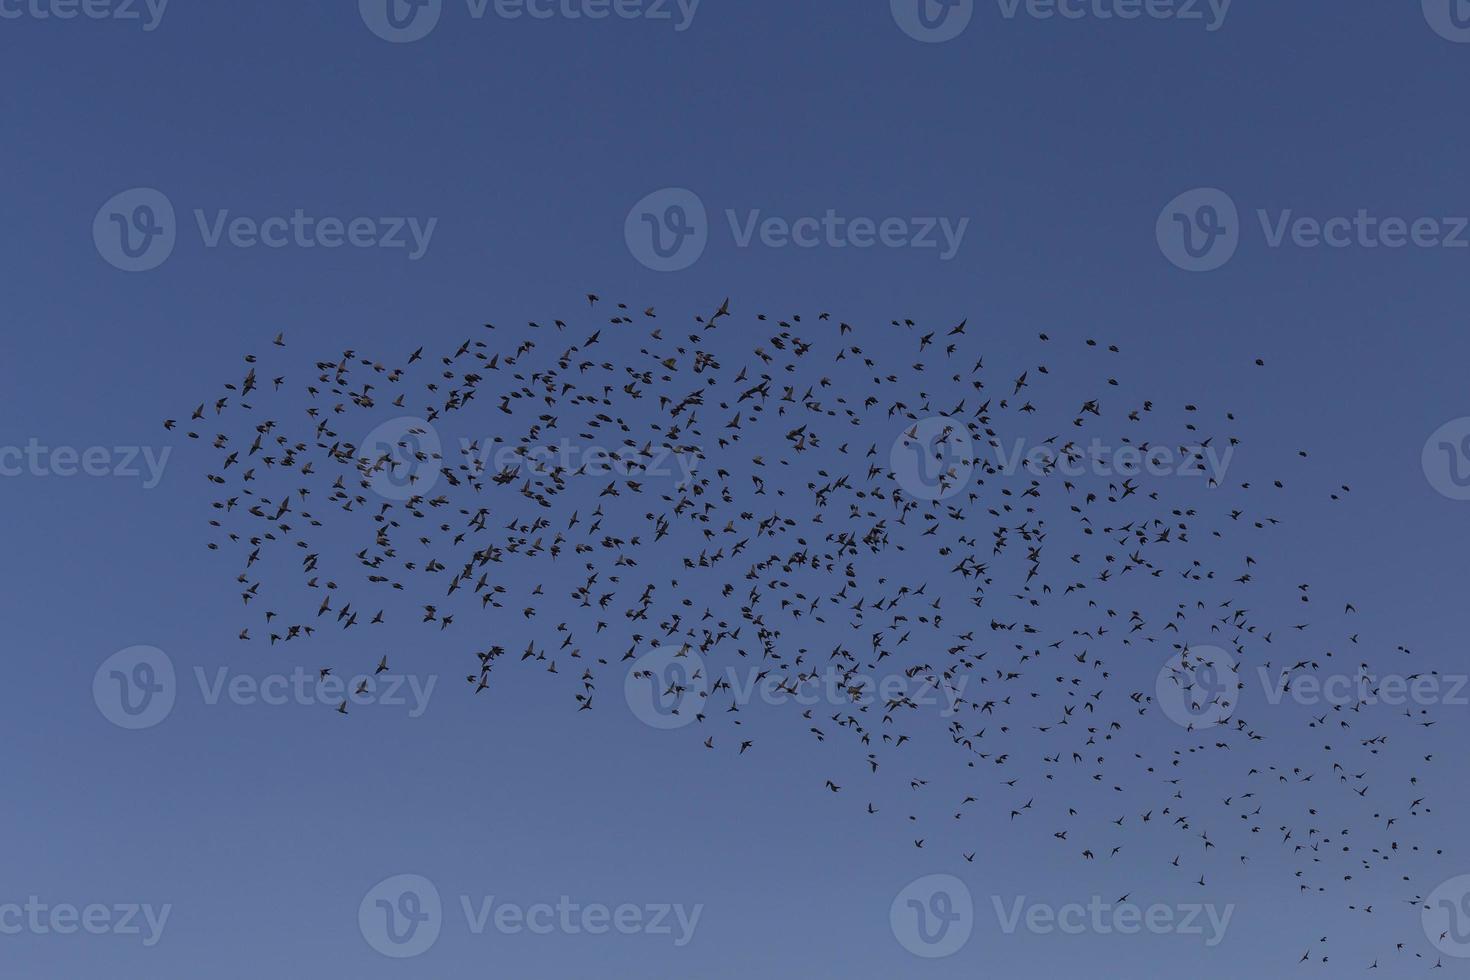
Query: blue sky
(352, 189)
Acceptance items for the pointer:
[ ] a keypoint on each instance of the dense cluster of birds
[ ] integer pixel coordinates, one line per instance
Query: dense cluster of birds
(753, 506)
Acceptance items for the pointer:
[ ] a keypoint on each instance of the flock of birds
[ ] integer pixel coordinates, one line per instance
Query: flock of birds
(783, 543)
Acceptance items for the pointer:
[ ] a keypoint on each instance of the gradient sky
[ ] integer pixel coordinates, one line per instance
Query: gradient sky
(528, 141)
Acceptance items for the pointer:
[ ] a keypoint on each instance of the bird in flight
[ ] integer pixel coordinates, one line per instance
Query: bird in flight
(789, 504)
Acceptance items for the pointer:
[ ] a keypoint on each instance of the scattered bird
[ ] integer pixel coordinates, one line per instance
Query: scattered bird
(790, 499)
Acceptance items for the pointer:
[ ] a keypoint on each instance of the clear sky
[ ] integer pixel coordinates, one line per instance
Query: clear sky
(401, 190)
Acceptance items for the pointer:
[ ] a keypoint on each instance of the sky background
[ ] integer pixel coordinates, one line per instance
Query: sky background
(529, 141)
